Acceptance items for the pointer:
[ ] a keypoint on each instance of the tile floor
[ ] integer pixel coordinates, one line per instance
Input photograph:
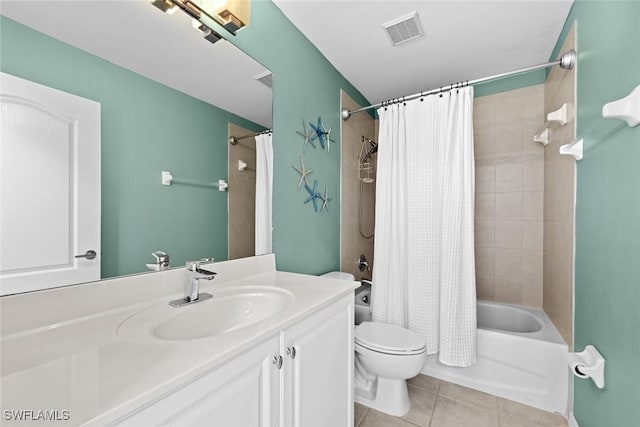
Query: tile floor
(436, 403)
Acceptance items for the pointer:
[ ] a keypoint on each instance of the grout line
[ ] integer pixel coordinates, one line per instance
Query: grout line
(435, 404)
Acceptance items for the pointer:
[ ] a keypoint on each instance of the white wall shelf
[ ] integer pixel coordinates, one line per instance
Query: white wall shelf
(573, 149)
(627, 108)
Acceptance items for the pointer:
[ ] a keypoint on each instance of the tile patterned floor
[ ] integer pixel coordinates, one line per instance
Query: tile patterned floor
(436, 403)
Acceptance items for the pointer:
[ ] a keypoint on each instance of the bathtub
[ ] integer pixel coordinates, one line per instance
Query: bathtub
(521, 356)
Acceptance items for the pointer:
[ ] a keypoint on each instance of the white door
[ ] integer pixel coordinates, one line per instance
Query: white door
(50, 187)
(318, 369)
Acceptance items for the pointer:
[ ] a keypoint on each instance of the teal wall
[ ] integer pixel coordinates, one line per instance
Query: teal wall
(146, 128)
(305, 86)
(607, 288)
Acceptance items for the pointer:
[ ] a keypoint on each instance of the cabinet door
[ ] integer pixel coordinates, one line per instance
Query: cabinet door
(318, 385)
(241, 393)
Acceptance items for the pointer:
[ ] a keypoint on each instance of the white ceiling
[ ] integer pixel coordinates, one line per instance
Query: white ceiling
(463, 40)
(164, 48)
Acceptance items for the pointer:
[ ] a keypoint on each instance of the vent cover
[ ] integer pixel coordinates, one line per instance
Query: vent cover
(266, 78)
(404, 29)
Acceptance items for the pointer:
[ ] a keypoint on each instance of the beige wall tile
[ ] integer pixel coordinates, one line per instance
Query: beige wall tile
(509, 139)
(485, 177)
(533, 235)
(533, 205)
(532, 292)
(508, 234)
(485, 287)
(510, 107)
(533, 173)
(508, 177)
(485, 206)
(484, 233)
(241, 201)
(508, 289)
(509, 120)
(484, 261)
(352, 243)
(559, 191)
(484, 143)
(532, 263)
(508, 262)
(508, 205)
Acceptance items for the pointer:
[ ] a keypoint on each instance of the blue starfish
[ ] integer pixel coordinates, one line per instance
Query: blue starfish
(319, 132)
(313, 195)
(306, 134)
(325, 201)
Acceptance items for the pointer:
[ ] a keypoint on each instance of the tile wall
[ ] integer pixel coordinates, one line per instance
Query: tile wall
(509, 196)
(242, 195)
(352, 243)
(559, 201)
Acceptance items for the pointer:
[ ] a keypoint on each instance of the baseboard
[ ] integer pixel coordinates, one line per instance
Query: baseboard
(572, 420)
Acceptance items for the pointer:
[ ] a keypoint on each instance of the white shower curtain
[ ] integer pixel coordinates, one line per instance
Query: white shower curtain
(264, 189)
(424, 270)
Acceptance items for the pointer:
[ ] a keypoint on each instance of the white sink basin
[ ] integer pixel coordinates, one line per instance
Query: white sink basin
(230, 309)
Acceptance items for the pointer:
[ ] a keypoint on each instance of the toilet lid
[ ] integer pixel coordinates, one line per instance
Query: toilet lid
(387, 338)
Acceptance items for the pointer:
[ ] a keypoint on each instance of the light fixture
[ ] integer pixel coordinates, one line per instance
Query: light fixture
(231, 14)
(207, 32)
(166, 6)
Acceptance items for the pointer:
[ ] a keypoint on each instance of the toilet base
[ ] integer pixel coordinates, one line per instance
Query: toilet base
(385, 395)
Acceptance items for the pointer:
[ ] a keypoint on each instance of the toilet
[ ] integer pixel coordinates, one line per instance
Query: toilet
(385, 357)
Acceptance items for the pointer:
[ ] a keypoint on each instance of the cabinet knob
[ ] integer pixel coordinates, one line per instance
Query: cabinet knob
(291, 351)
(277, 361)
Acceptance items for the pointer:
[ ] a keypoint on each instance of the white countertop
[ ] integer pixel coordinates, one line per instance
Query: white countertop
(60, 350)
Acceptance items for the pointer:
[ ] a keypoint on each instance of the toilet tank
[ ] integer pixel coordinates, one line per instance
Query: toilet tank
(339, 275)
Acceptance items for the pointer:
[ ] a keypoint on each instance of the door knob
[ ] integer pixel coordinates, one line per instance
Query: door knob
(90, 254)
(291, 351)
(277, 361)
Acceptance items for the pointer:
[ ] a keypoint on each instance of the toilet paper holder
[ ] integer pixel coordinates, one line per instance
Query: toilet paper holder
(588, 364)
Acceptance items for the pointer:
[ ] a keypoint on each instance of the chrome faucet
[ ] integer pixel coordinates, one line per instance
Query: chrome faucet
(363, 264)
(192, 283)
(162, 261)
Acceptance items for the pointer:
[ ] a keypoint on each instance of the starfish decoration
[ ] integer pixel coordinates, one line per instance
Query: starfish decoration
(325, 201)
(327, 134)
(313, 195)
(306, 134)
(303, 173)
(319, 132)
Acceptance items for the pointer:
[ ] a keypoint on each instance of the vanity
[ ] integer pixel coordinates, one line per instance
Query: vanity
(269, 348)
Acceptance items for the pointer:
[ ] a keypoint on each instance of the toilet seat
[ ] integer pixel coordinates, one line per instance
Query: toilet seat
(389, 339)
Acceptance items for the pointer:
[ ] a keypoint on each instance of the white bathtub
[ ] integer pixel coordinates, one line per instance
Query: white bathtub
(521, 357)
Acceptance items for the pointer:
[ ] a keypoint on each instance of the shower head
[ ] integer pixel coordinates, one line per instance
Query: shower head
(373, 148)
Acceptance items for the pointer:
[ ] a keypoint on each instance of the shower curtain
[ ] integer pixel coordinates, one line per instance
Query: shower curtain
(264, 189)
(424, 270)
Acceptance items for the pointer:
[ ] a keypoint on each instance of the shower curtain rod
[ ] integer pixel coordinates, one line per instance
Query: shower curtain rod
(233, 140)
(566, 61)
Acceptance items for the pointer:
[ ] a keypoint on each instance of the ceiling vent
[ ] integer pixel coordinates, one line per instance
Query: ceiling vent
(266, 78)
(404, 29)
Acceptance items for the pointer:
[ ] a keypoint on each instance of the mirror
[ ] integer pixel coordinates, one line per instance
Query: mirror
(168, 98)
